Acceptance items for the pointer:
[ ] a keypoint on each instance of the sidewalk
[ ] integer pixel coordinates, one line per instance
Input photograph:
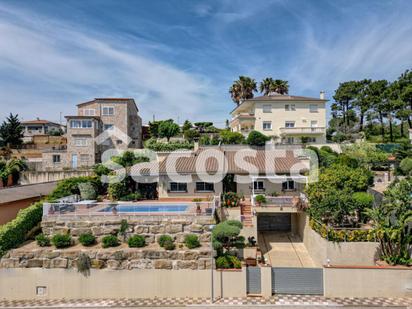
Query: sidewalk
(280, 300)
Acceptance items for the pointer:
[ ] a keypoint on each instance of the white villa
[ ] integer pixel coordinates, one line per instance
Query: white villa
(286, 118)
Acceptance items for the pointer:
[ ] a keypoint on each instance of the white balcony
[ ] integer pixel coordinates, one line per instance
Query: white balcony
(303, 130)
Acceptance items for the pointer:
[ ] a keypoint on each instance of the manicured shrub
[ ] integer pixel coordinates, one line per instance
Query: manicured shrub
(152, 144)
(136, 241)
(406, 166)
(62, 240)
(169, 245)
(260, 199)
(163, 239)
(256, 138)
(14, 232)
(87, 239)
(192, 241)
(42, 240)
(110, 241)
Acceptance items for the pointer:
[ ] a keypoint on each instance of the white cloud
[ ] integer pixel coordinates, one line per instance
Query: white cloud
(75, 62)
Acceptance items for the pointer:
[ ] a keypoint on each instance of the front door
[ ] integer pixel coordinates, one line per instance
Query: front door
(74, 161)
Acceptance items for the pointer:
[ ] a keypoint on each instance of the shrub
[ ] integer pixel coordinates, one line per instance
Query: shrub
(14, 232)
(152, 144)
(71, 186)
(62, 240)
(229, 137)
(256, 138)
(169, 245)
(260, 199)
(110, 241)
(406, 166)
(87, 239)
(230, 199)
(87, 191)
(163, 239)
(42, 240)
(228, 261)
(131, 197)
(117, 190)
(136, 241)
(192, 241)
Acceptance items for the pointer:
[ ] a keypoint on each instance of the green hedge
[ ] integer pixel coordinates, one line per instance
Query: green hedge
(14, 232)
(336, 235)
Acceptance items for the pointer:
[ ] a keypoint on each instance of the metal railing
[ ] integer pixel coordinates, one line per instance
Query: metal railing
(304, 130)
(141, 208)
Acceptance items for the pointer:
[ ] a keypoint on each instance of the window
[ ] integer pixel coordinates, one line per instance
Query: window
(311, 139)
(205, 186)
(289, 124)
(119, 142)
(314, 123)
(267, 125)
(80, 142)
(267, 108)
(290, 107)
(108, 111)
(290, 140)
(56, 158)
(313, 108)
(80, 124)
(288, 185)
(178, 187)
(89, 112)
(258, 185)
(108, 127)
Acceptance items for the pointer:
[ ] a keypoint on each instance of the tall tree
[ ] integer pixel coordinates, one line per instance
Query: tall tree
(11, 131)
(281, 86)
(344, 98)
(405, 88)
(242, 89)
(376, 92)
(168, 129)
(269, 85)
(362, 100)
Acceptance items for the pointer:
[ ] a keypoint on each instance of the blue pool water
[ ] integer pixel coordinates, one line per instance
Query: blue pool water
(147, 208)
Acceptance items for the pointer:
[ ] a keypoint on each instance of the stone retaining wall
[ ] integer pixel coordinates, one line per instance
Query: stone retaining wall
(111, 258)
(122, 257)
(149, 227)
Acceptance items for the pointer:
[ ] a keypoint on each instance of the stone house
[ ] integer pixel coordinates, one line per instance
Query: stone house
(100, 124)
(38, 127)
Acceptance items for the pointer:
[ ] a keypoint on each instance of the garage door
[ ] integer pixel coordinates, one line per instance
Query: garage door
(274, 222)
(290, 280)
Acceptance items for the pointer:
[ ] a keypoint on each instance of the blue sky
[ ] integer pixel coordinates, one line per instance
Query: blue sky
(178, 58)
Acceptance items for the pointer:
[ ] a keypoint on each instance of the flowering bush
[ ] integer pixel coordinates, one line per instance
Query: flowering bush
(230, 199)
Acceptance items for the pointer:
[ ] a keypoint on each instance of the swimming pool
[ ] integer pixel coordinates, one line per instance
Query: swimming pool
(147, 208)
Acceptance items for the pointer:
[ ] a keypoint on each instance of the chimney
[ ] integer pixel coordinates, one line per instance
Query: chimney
(322, 95)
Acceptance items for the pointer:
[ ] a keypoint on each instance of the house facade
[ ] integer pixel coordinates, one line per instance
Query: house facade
(100, 124)
(287, 119)
(38, 127)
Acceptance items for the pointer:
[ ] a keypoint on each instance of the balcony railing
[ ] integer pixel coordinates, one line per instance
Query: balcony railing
(302, 130)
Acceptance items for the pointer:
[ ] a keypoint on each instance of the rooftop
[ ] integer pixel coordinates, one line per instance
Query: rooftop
(39, 121)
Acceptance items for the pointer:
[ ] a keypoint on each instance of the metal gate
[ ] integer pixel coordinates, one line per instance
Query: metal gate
(290, 280)
(274, 222)
(253, 280)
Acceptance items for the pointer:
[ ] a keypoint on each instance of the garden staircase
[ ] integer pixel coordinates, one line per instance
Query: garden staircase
(246, 213)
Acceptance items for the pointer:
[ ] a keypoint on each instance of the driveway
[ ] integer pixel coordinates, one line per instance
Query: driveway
(282, 249)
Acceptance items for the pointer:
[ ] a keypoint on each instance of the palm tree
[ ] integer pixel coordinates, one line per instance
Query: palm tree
(266, 85)
(242, 89)
(12, 167)
(281, 86)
